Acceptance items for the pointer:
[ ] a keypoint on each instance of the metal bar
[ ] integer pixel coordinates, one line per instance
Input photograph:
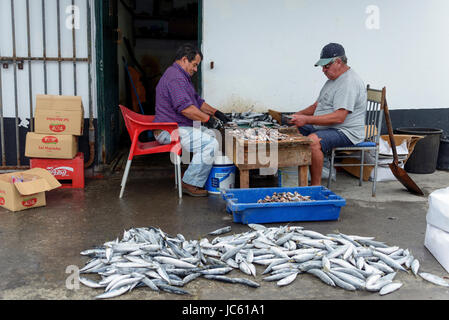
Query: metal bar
(372, 117)
(30, 81)
(13, 23)
(44, 50)
(2, 136)
(58, 14)
(74, 51)
(89, 56)
(91, 114)
(52, 59)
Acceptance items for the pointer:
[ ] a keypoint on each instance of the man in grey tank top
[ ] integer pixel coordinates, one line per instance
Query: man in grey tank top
(337, 118)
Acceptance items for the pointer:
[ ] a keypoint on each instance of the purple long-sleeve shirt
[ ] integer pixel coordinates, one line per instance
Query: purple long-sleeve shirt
(174, 93)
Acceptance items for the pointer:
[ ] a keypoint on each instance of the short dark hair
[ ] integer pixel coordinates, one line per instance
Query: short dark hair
(188, 50)
(344, 59)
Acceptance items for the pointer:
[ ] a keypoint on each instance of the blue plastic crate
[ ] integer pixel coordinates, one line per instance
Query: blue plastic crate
(242, 203)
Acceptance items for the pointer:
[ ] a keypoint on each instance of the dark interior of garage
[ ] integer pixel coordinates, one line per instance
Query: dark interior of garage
(152, 30)
(149, 33)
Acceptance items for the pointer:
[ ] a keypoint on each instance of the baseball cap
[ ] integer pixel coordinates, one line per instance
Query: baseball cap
(329, 52)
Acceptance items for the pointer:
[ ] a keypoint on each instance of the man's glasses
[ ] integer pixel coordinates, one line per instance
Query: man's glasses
(327, 66)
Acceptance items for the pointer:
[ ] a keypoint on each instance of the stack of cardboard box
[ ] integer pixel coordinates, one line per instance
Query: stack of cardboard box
(58, 122)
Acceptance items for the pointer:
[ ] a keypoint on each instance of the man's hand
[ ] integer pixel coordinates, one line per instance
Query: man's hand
(213, 123)
(223, 118)
(299, 120)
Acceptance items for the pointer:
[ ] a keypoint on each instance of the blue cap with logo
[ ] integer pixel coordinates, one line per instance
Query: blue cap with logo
(329, 52)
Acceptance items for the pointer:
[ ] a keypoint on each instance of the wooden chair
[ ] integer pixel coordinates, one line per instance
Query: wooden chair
(373, 125)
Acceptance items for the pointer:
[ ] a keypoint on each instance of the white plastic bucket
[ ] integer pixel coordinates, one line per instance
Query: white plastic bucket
(221, 176)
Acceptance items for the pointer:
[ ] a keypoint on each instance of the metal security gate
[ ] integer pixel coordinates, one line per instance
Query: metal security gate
(45, 48)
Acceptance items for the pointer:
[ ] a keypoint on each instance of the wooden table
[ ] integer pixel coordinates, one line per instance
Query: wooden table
(292, 152)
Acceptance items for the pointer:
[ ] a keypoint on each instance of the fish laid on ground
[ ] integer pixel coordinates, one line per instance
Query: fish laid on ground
(434, 279)
(150, 258)
(389, 288)
(220, 231)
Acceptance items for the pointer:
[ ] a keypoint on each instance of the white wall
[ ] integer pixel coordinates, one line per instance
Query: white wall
(264, 51)
(37, 67)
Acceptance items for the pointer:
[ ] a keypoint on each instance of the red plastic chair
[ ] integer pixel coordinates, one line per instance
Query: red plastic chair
(138, 123)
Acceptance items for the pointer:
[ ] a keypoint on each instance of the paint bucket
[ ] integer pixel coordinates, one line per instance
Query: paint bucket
(425, 154)
(221, 176)
(288, 177)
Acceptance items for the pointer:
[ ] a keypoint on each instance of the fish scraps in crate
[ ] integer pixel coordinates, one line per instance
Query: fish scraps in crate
(285, 197)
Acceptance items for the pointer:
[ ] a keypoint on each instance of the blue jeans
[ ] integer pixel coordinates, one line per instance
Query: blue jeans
(202, 143)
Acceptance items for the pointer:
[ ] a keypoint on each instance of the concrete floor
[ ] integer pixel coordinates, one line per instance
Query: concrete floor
(38, 245)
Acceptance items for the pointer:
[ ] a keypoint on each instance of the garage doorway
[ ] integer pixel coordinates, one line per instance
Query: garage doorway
(148, 34)
(151, 31)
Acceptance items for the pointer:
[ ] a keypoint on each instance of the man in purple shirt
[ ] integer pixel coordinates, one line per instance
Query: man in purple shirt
(177, 101)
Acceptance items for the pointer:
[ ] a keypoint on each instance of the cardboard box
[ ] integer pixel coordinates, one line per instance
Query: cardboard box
(26, 189)
(59, 115)
(437, 242)
(437, 231)
(398, 139)
(51, 146)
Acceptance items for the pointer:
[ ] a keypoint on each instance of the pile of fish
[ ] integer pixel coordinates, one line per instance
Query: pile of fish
(151, 258)
(252, 119)
(262, 134)
(285, 197)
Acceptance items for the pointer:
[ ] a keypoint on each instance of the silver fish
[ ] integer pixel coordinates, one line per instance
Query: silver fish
(219, 278)
(287, 280)
(356, 282)
(90, 283)
(244, 267)
(434, 279)
(415, 267)
(91, 265)
(149, 283)
(337, 252)
(303, 257)
(378, 285)
(116, 280)
(191, 277)
(175, 262)
(340, 283)
(322, 276)
(278, 276)
(247, 282)
(171, 289)
(232, 263)
(389, 261)
(217, 271)
(389, 288)
(113, 293)
(124, 282)
(372, 279)
(231, 253)
(220, 231)
(389, 276)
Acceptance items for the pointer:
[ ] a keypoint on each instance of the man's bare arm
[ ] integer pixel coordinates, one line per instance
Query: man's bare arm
(336, 117)
(309, 111)
(208, 109)
(195, 114)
